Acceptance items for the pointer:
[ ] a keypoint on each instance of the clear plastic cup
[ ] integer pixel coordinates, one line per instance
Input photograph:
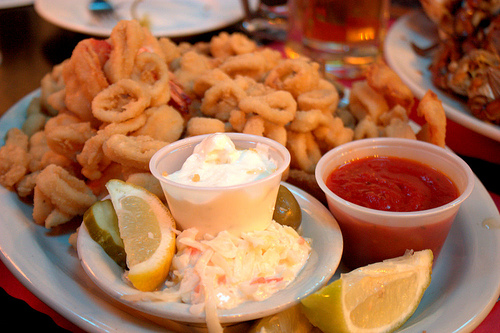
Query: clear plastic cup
(372, 235)
(238, 208)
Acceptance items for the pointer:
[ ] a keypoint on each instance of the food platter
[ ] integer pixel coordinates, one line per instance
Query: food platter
(413, 69)
(465, 273)
(168, 18)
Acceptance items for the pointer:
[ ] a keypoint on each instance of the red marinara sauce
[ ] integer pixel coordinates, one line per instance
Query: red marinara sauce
(392, 184)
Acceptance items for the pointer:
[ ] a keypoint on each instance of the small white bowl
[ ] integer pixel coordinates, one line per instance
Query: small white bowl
(238, 208)
(372, 235)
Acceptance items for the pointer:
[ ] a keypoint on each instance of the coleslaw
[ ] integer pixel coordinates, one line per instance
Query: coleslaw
(221, 272)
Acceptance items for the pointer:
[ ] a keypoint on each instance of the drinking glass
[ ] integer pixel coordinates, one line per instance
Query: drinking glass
(268, 22)
(343, 36)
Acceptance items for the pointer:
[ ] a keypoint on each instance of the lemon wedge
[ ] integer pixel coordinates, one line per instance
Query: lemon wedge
(147, 230)
(376, 298)
(289, 320)
(102, 223)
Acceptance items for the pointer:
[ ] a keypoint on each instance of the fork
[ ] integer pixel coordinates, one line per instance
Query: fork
(102, 9)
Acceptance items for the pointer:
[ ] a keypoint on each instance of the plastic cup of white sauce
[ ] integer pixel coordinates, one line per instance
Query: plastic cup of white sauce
(238, 208)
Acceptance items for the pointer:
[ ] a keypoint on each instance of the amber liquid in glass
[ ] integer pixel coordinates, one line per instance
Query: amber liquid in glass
(339, 33)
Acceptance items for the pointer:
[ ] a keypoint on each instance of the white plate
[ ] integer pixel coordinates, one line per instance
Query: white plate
(465, 283)
(172, 18)
(14, 3)
(318, 224)
(413, 70)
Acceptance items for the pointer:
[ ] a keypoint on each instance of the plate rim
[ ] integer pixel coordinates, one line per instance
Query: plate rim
(396, 35)
(15, 3)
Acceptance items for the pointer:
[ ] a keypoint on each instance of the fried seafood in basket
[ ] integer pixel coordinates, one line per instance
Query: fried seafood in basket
(106, 110)
(466, 62)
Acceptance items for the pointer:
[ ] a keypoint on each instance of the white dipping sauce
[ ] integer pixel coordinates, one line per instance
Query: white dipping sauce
(216, 162)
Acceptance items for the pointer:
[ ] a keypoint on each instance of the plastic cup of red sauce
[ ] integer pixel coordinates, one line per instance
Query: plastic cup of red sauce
(372, 235)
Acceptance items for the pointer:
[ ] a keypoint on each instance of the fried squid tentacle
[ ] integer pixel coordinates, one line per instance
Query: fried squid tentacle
(59, 196)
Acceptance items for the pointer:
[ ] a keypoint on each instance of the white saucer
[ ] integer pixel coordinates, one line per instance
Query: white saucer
(317, 224)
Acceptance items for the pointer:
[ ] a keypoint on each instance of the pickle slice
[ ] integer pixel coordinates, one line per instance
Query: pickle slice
(102, 224)
(287, 210)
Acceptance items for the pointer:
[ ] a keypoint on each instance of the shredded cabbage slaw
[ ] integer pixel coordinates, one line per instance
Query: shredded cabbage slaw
(223, 271)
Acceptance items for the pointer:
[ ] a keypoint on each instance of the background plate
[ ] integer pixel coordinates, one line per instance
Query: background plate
(413, 70)
(172, 18)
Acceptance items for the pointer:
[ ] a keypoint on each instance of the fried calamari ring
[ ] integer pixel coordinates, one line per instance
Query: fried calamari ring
(272, 57)
(398, 128)
(278, 107)
(397, 112)
(66, 134)
(276, 132)
(121, 101)
(434, 130)
(251, 65)
(84, 77)
(14, 158)
(366, 128)
(221, 99)
(42, 207)
(17, 137)
(386, 82)
(150, 69)
(207, 80)
(191, 65)
(26, 186)
(126, 39)
(164, 123)
(255, 125)
(35, 118)
(151, 44)
(306, 121)
(92, 158)
(37, 148)
(51, 157)
(169, 48)
(304, 150)
(125, 127)
(225, 45)
(66, 193)
(203, 125)
(252, 87)
(333, 134)
(296, 76)
(363, 101)
(52, 83)
(237, 119)
(320, 99)
(132, 151)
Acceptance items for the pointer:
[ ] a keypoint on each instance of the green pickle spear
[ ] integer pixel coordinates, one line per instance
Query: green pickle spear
(102, 224)
(287, 210)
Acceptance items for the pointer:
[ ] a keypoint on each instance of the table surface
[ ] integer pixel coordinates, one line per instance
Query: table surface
(30, 47)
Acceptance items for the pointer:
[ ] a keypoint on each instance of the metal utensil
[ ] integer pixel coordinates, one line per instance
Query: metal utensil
(102, 9)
